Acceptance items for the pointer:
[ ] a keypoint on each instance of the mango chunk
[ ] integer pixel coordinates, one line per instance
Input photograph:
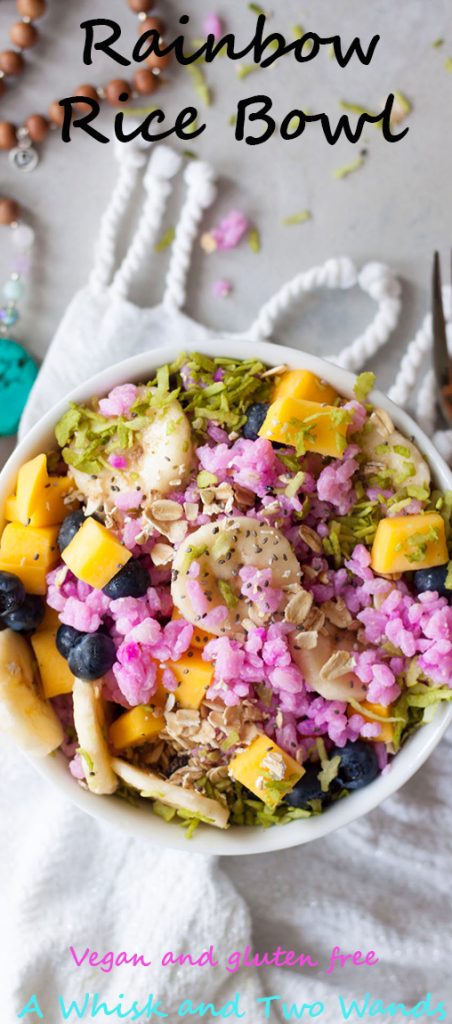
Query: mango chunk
(39, 498)
(10, 509)
(200, 638)
(194, 677)
(52, 508)
(403, 543)
(304, 384)
(310, 425)
(266, 770)
(50, 623)
(31, 480)
(30, 546)
(135, 727)
(33, 576)
(56, 677)
(94, 554)
(386, 733)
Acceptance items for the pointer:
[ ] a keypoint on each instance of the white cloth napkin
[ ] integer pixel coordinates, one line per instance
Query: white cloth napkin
(67, 880)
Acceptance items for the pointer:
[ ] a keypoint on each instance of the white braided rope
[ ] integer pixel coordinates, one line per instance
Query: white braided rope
(335, 273)
(375, 278)
(408, 379)
(200, 180)
(130, 160)
(163, 166)
(383, 287)
(407, 376)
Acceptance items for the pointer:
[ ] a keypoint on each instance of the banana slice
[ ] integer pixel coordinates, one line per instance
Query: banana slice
(221, 549)
(89, 725)
(149, 785)
(311, 662)
(24, 715)
(160, 463)
(389, 449)
(167, 451)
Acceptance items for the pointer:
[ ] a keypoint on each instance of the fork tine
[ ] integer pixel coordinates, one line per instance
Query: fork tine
(441, 363)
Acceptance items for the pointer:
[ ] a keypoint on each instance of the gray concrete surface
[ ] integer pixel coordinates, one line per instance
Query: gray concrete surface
(394, 209)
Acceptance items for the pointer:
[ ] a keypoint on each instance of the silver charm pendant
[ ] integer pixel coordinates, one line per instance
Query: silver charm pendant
(24, 159)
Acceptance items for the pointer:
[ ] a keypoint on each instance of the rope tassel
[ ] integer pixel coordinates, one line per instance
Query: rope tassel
(383, 287)
(131, 161)
(337, 273)
(163, 165)
(200, 180)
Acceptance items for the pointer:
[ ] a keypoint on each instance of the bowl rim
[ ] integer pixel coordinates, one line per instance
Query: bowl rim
(239, 840)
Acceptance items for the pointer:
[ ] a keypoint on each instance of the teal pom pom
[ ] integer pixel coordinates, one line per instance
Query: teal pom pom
(18, 372)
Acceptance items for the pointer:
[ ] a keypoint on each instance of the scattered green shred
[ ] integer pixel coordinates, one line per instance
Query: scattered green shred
(438, 43)
(254, 240)
(166, 240)
(221, 546)
(228, 594)
(163, 811)
(448, 64)
(67, 425)
(193, 552)
(363, 385)
(232, 119)
(246, 69)
(204, 398)
(294, 124)
(298, 31)
(294, 484)
(417, 706)
(401, 449)
(200, 84)
(401, 109)
(193, 127)
(87, 759)
(257, 9)
(347, 169)
(354, 108)
(297, 218)
(448, 580)
(420, 493)
(232, 739)
(328, 773)
(206, 479)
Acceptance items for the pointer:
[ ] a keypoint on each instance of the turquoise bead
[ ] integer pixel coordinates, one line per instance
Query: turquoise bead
(9, 316)
(18, 373)
(13, 290)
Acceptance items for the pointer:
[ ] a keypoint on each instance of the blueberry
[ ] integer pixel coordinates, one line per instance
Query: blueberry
(255, 416)
(92, 656)
(432, 579)
(308, 788)
(12, 592)
(358, 766)
(179, 761)
(69, 527)
(66, 638)
(131, 581)
(27, 616)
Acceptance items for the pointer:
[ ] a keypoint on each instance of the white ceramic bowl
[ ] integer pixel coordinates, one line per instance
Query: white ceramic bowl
(238, 840)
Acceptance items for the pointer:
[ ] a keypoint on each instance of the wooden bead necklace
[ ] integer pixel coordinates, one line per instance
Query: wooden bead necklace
(18, 369)
(20, 141)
